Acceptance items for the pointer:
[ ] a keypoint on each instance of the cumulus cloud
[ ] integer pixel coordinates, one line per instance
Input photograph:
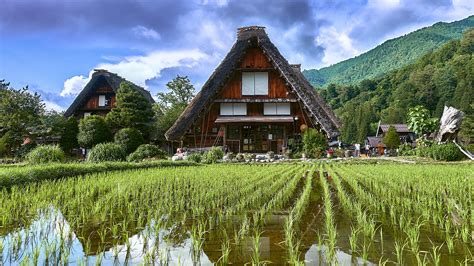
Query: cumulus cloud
(337, 45)
(52, 106)
(147, 33)
(140, 69)
(74, 85)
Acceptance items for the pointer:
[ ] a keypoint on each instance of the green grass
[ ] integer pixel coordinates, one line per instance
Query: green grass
(20, 174)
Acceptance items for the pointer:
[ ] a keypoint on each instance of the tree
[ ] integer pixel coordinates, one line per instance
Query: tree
(314, 143)
(391, 138)
(92, 131)
(20, 111)
(420, 122)
(130, 138)
(180, 93)
(132, 110)
(171, 104)
(69, 136)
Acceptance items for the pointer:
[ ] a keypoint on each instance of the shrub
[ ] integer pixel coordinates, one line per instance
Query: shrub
(104, 152)
(194, 157)
(45, 154)
(92, 131)
(249, 156)
(406, 150)
(441, 152)
(130, 138)
(314, 143)
(147, 151)
(213, 155)
(69, 136)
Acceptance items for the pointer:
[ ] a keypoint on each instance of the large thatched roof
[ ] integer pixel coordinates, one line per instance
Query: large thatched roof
(99, 76)
(249, 37)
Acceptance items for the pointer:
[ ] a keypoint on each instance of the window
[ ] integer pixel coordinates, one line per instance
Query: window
(101, 100)
(254, 83)
(276, 109)
(233, 109)
(86, 114)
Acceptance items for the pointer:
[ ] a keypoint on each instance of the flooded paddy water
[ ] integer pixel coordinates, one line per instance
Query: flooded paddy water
(314, 214)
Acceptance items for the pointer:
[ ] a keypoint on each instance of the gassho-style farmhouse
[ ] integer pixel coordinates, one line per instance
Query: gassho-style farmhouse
(255, 101)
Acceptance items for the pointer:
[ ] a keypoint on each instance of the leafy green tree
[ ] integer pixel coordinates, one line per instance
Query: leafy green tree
(130, 138)
(180, 93)
(50, 124)
(314, 143)
(92, 131)
(69, 135)
(20, 111)
(170, 104)
(391, 138)
(420, 122)
(132, 110)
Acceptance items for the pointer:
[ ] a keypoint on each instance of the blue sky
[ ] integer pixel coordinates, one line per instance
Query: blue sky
(53, 46)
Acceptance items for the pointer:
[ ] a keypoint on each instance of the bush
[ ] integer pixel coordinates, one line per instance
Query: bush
(314, 143)
(406, 150)
(69, 136)
(92, 131)
(441, 152)
(130, 138)
(105, 152)
(213, 155)
(194, 157)
(147, 151)
(45, 154)
(391, 138)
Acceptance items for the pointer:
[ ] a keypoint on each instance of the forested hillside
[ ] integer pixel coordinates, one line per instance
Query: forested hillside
(442, 77)
(390, 55)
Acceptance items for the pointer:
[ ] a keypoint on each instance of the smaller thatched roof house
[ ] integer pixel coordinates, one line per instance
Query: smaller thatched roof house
(98, 96)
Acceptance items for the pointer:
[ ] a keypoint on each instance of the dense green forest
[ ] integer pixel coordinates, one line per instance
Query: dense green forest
(392, 54)
(442, 77)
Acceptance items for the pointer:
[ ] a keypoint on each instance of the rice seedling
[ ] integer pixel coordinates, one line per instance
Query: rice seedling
(143, 214)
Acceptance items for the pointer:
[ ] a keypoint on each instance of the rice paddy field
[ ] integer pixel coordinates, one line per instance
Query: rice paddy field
(295, 213)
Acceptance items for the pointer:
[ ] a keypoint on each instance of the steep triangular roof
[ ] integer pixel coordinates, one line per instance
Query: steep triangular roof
(248, 37)
(112, 79)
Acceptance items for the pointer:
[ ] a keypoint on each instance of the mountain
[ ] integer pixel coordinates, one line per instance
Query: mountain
(390, 55)
(441, 77)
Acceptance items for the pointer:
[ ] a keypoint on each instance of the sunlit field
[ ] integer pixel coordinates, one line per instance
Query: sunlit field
(345, 213)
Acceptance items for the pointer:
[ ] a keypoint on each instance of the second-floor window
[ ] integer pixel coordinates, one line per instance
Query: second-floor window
(254, 83)
(233, 109)
(102, 101)
(276, 109)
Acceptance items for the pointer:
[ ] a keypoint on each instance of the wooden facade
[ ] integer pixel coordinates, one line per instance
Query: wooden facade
(255, 101)
(249, 136)
(99, 95)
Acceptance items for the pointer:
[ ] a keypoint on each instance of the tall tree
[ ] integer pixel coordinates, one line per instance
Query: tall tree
(391, 138)
(92, 131)
(132, 110)
(170, 104)
(20, 111)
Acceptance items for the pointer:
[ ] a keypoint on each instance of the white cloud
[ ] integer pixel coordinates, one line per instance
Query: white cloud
(142, 31)
(74, 85)
(337, 45)
(139, 69)
(53, 106)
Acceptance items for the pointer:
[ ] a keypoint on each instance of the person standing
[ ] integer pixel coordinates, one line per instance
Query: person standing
(357, 149)
(367, 150)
